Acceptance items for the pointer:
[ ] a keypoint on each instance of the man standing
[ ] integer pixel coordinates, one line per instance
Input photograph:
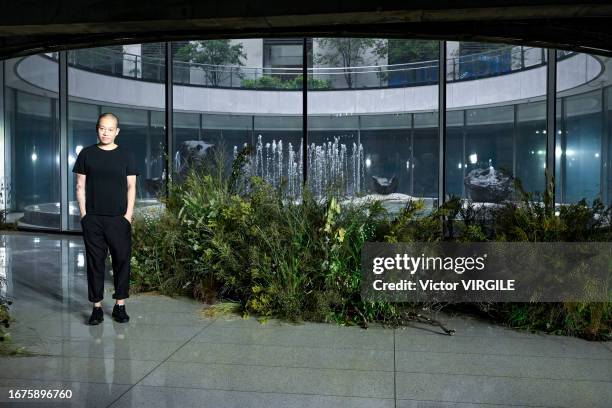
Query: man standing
(106, 191)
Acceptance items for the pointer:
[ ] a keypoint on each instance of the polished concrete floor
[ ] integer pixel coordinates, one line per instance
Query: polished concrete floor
(169, 356)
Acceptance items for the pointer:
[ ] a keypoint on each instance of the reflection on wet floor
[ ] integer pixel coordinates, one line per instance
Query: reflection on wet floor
(169, 355)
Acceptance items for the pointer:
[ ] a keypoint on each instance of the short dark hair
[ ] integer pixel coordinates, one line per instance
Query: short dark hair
(107, 114)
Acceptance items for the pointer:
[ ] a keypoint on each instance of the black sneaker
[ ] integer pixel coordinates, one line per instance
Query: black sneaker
(119, 314)
(96, 317)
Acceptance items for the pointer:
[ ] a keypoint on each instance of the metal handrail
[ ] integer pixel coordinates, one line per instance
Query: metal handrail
(460, 68)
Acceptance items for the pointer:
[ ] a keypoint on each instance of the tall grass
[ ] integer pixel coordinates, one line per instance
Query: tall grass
(225, 235)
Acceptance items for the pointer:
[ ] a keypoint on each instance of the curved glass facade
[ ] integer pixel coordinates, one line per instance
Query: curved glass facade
(372, 124)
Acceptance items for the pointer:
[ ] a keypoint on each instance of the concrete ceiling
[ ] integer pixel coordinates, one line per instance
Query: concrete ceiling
(33, 26)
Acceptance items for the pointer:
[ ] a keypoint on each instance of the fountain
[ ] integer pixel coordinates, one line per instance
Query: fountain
(332, 167)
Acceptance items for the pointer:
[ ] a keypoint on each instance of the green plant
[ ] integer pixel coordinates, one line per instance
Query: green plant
(7, 347)
(4, 225)
(532, 218)
(587, 320)
(265, 82)
(228, 236)
(157, 246)
(212, 56)
(346, 53)
(276, 82)
(5, 317)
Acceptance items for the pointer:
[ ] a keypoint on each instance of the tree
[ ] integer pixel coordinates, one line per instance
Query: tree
(405, 51)
(345, 53)
(402, 51)
(109, 59)
(213, 55)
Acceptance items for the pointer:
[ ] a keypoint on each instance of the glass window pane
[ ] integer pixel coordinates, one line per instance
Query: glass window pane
(502, 137)
(582, 158)
(531, 145)
(127, 81)
(224, 99)
(365, 138)
(31, 149)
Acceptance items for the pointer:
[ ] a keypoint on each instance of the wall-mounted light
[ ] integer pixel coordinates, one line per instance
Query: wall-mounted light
(473, 158)
(368, 163)
(78, 149)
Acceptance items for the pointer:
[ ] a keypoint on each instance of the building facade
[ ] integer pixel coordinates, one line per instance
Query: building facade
(372, 117)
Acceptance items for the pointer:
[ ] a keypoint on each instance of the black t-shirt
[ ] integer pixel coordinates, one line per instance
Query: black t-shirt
(106, 181)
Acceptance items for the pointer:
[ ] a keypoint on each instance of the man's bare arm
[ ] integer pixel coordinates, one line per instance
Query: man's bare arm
(131, 196)
(80, 192)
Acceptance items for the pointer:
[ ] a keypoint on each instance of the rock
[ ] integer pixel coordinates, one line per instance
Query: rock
(191, 154)
(385, 186)
(488, 185)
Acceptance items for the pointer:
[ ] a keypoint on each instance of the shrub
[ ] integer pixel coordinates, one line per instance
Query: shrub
(7, 347)
(226, 235)
(276, 82)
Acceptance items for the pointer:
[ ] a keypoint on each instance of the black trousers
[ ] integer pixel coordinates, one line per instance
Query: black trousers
(101, 233)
